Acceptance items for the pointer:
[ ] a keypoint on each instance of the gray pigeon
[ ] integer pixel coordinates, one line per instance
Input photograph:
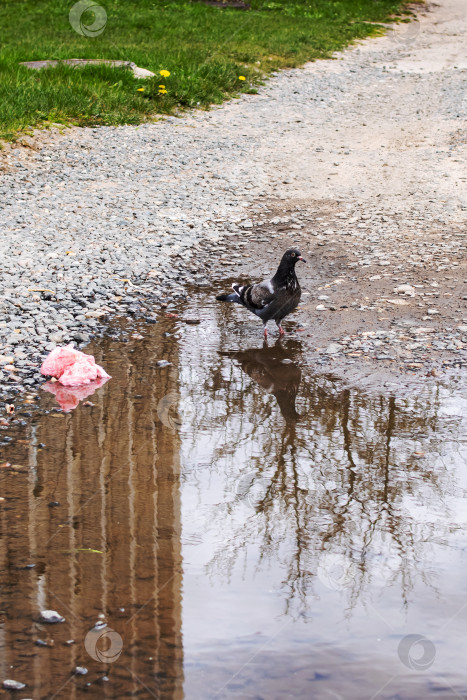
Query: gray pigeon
(273, 299)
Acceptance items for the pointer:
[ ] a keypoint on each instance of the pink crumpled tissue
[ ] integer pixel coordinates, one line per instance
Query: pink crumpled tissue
(72, 367)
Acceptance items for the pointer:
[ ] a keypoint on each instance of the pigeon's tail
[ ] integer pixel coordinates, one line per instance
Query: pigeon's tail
(228, 297)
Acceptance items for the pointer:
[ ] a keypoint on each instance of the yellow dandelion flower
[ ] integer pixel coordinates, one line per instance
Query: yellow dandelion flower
(140, 90)
(162, 92)
(162, 87)
(164, 73)
(241, 77)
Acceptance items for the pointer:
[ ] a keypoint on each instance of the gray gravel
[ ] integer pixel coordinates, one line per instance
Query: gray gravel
(96, 222)
(100, 220)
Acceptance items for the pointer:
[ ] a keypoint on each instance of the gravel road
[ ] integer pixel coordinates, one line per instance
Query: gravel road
(361, 160)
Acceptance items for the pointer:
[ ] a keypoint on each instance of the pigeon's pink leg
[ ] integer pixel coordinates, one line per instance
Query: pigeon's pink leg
(265, 332)
(281, 330)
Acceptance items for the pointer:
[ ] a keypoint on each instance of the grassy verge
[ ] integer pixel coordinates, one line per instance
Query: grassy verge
(205, 48)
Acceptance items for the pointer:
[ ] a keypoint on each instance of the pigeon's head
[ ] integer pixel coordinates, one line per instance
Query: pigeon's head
(292, 256)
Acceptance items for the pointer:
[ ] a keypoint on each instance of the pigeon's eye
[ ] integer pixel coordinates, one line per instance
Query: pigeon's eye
(292, 254)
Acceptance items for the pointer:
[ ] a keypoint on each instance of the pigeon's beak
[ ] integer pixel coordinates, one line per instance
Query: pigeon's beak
(302, 259)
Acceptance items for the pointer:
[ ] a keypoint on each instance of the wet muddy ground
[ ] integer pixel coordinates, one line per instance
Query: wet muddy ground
(368, 311)
(240, 523)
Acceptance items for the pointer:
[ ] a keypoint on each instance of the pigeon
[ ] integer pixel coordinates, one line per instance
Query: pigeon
(272, 299)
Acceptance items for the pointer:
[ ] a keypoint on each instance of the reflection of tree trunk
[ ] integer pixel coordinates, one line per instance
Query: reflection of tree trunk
(300, 529)
(347, 438)
(339, 517)
(168, 594)
(114, 469)
(389, 432)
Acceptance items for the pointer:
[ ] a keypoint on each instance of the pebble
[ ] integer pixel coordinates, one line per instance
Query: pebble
(100, 625)
(13, 685)
(333, 349)
(405, 289)
(51, 616)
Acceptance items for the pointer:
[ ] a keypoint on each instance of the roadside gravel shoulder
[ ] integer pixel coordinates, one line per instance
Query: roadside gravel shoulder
(363, 158)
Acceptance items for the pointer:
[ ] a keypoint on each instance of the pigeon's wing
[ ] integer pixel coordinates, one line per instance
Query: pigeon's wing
(255, 296)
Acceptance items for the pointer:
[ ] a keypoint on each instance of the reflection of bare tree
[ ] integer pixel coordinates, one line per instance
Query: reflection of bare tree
(342, 479)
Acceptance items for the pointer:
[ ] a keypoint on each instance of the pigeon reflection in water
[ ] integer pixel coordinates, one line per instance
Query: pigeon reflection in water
(273, 369)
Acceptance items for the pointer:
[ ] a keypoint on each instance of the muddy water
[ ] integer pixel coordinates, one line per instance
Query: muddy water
(236, 526)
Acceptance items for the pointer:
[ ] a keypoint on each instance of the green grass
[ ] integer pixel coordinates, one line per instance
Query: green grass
(205, 49)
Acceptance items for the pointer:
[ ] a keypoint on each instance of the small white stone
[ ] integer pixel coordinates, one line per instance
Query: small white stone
(333, 349)
(13, 685)
(406, 289)
(51, 616)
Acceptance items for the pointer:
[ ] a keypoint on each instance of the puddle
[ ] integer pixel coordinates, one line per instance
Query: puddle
(244, 528)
